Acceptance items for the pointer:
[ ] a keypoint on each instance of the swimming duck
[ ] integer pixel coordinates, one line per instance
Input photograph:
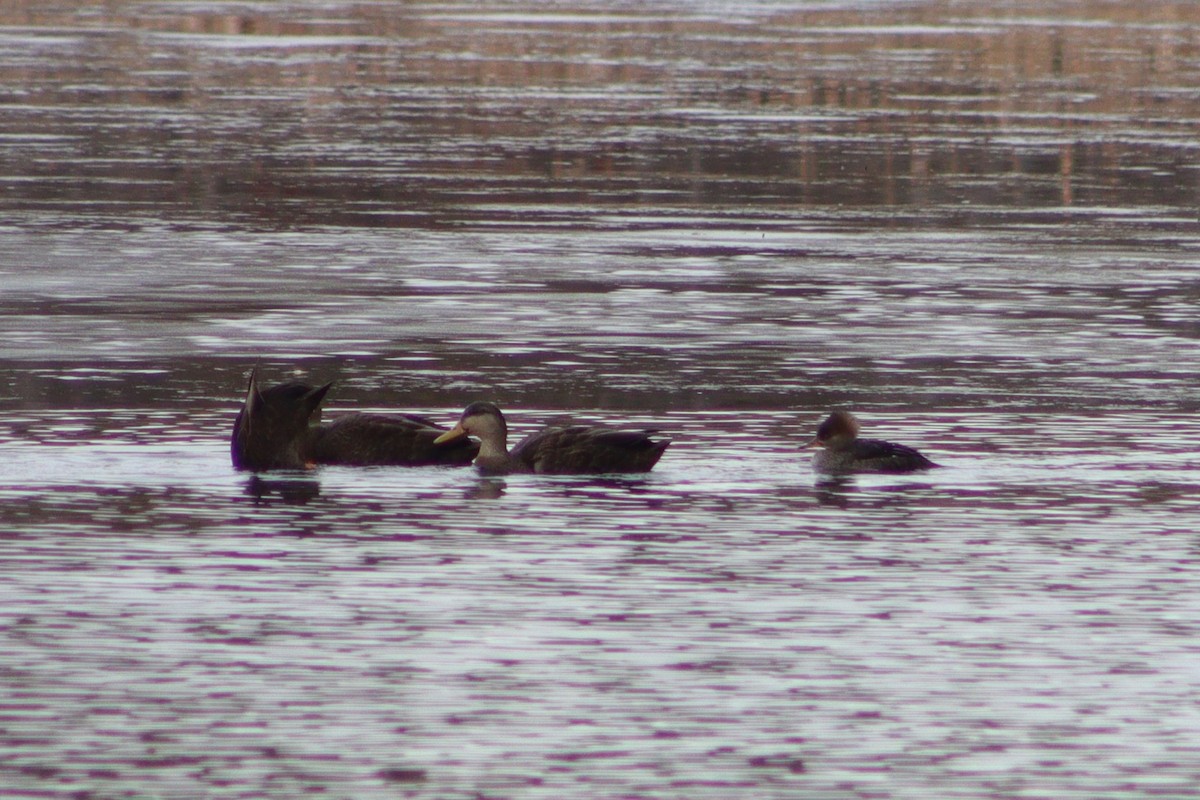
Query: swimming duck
(273, 428)
(843, 452)
(401, 440)
(278, 428)
(573, 450)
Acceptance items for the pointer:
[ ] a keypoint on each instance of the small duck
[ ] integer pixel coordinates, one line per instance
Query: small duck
(843, 452)
(279, 428)
(573, 450)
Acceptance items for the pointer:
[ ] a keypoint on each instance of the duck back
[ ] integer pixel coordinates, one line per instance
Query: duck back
(577, 450)
(872, 455)
(388, 440)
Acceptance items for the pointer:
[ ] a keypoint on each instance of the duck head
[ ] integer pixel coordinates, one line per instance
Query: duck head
(481, 420)
(838, 430)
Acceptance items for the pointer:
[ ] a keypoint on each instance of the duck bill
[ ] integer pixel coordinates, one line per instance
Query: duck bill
(811, 444)
(457, 432)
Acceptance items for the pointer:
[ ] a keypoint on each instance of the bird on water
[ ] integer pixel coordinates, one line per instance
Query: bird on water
(274, 427)
(842, 451)
(566, 450)
(279, 427)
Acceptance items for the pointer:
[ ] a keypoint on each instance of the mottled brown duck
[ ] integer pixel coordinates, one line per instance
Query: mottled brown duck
(279, 428)
(273, 429)
(568, 450)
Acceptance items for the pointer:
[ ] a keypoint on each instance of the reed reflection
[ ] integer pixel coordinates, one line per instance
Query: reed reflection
(849, 118)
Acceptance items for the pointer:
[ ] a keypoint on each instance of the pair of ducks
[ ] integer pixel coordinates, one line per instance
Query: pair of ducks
(279, 428)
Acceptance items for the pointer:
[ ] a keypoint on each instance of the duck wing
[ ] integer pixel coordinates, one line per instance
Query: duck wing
(876, 455)
(388, 440)
(581, 450)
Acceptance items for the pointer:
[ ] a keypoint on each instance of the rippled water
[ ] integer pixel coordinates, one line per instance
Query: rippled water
(1020, 622)
(974, 225)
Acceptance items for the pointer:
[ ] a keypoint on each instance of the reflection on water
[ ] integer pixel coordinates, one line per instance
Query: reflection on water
(293, 491)
(386, 114)
(974, 225)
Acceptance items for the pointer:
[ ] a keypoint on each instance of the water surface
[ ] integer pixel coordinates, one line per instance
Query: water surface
(973, 225)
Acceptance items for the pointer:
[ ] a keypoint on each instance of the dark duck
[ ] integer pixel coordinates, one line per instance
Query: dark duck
(280, 427)
(843, 452)
(566, 450)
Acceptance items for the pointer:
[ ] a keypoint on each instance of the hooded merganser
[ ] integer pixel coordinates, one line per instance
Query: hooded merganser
(843, 452)
(573, 450)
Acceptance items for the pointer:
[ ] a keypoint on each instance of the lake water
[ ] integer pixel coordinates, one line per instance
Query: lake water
(973, 224)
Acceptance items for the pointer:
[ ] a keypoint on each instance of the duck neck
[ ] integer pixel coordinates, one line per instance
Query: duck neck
(493, 454)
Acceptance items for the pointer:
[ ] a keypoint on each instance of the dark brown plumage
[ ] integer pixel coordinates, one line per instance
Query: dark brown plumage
(570, 450)
(273, 428)
(361, 440)
(277, 428)
(843, 452)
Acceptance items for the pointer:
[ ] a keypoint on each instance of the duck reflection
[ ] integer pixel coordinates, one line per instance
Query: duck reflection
(841, 491)
(296, 490)
(834, 490)
(486, 487)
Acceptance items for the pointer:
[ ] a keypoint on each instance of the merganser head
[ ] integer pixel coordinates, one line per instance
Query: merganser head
(838, 430)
